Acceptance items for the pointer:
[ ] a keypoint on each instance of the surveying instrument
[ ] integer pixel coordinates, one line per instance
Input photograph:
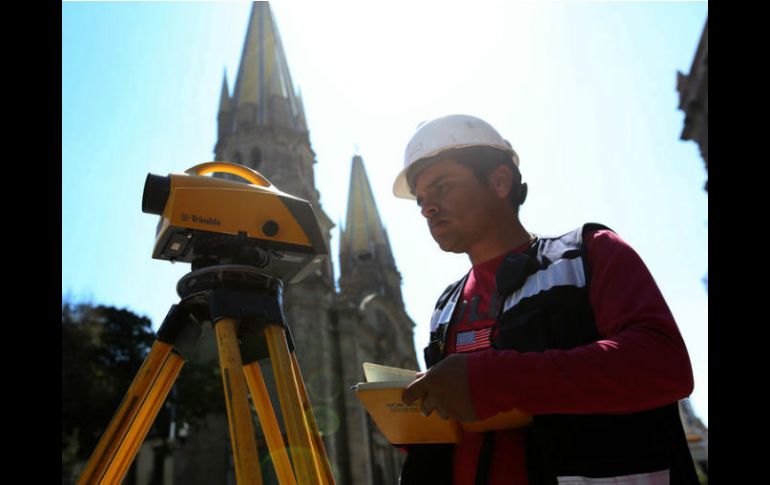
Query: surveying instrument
(242, 240)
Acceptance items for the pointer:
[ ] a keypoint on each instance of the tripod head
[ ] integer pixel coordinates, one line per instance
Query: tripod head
(210, 221)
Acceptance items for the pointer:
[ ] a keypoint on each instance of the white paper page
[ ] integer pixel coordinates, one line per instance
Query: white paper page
(381, 373)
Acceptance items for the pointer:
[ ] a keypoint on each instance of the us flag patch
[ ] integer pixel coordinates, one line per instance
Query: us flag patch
(473, 340)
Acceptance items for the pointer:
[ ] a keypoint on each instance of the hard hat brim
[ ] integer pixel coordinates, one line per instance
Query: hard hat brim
(401, 188)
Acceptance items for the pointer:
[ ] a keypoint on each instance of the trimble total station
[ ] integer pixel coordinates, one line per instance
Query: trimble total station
(243, 240)
(205, 219)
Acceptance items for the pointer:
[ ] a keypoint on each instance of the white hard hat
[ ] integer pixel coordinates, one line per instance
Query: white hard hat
(447, 133)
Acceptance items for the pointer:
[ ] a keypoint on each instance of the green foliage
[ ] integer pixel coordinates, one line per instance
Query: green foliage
(198, 392)
(102, 350)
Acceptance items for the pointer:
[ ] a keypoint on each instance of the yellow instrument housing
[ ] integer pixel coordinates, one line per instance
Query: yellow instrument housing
(197, 206)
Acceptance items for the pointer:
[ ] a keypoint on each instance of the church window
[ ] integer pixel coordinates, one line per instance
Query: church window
(364, 256)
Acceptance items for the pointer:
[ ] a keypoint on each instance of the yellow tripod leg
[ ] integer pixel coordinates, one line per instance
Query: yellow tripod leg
(261, 399)
(300, 443)
(138, 431)
(242, 438)
(319, 451)
(124, 418)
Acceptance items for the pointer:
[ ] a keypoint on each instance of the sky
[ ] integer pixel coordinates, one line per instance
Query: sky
(584, 91)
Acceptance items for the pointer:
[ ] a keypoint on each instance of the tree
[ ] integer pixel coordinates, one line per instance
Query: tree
(102, 347)
(102, 350)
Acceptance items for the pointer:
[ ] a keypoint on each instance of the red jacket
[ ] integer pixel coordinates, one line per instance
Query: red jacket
(640, 363)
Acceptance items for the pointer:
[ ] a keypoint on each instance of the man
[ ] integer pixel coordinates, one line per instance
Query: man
(571, 330)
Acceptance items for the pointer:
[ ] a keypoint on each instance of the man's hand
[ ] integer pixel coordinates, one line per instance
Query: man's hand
(444, 389)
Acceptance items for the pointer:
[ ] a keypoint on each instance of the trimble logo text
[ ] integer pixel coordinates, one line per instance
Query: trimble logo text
(210, 221)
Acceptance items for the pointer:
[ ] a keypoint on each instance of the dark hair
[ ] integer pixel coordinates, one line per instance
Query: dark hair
(483, 161)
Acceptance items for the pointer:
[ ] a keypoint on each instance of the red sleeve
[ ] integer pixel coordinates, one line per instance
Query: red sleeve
(641, 362)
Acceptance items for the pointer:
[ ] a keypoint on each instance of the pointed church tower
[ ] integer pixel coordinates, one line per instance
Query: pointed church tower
(372, 325)
(225, 116)
(366, 260)
(262, 125)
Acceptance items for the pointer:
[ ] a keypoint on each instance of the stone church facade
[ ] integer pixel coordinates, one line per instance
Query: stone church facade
(693, 91)
(694, 102)
(262, 125)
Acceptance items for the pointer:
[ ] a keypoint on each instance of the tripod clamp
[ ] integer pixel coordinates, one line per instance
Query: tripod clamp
(233, 291)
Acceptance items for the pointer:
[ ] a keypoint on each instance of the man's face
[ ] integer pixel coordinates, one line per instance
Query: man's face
(459, 208)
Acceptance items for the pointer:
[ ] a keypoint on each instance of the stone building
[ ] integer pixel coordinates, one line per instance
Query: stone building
(697, 436)
(262, 125)
(694, 101)
(693, 91)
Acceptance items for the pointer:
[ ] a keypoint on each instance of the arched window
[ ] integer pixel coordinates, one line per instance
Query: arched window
(364, 256)
(237, 158)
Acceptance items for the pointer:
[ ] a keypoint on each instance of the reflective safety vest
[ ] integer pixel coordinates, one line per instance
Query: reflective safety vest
(545, 305)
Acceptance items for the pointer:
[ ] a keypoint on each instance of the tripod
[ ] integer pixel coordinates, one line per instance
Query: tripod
(245, 307)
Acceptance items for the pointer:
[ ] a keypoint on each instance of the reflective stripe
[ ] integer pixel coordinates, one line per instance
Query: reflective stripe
(565, 272)
(443, 316)
(652, 478)
(434, 320)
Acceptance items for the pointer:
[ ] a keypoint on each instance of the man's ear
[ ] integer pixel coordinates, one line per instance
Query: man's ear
(501, 181)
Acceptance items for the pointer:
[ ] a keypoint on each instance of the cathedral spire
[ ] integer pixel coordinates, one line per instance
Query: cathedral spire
(363, 227)
(224, 100)
(225, 115)
(264, 93)
(262, 125)
(264, 128)
(366, 259)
